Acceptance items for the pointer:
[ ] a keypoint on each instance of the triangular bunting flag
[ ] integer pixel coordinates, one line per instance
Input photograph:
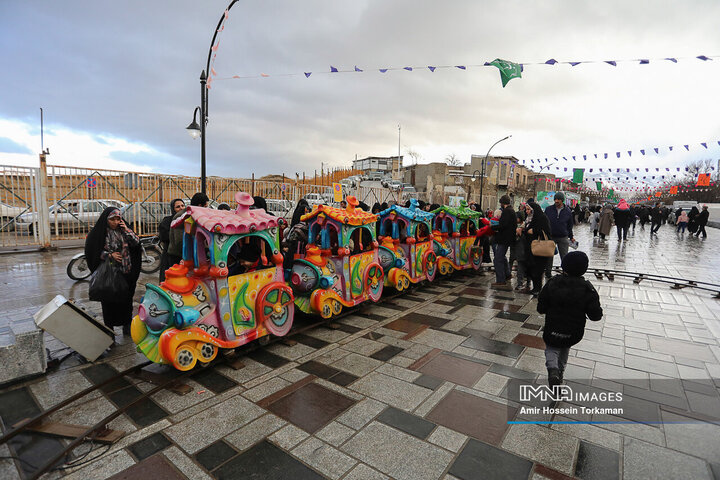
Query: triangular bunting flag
(333, 69)
(432, 69)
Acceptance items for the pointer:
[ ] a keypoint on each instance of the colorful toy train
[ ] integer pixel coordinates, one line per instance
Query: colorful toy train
(206, 303)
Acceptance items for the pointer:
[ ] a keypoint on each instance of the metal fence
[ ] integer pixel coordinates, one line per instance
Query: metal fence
(75, 198)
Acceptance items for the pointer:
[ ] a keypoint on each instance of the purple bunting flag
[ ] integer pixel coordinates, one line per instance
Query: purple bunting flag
(552, 61)
(584, 157)
(605, 155)
(611, 62)
(572, 64)
(409, 69)
(686, 147)
(461, 67)
(431, 68)
(595, 155)
(629, 153)
(674, 60)
(703, 144)
(383, 70)
(357, 69)
(307, 74)
(644, 61)
(656, 150)
(704, 58)
(618, 154)
(573, 157)
(333, 69)
(670, 148)
(642, 151)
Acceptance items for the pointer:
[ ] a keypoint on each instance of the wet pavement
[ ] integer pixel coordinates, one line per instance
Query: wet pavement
(416, 387)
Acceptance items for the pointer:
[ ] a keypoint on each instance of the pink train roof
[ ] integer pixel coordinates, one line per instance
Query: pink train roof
(241, 220)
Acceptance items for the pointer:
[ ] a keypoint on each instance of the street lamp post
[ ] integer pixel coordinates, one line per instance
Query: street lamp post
(194, 129)
(482, 175)
(472, 180)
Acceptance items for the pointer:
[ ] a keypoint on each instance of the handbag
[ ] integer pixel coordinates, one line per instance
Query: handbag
(543, 248)
(108, 283)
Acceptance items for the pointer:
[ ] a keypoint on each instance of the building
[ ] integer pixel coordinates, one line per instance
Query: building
(378, 164)
(428, 179)
(503, 175)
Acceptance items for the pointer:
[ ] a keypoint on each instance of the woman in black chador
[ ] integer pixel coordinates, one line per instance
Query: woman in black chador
(112, 237)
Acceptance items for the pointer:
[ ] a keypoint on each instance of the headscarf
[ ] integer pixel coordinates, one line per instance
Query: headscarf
(95, 245)
(623, 205)
(300, 208)
(259, 202)
(172, 205)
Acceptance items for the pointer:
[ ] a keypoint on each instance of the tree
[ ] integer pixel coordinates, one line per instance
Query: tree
(453, 160)
(414, 154)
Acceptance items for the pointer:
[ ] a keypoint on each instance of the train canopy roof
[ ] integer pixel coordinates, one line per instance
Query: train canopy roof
(349, 216)
(229, 222)
(413, 213)
(461, 213)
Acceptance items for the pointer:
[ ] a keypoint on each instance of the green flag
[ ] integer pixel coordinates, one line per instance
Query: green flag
(578, 174)
(508, 70)
(611, 193)
(598, 185)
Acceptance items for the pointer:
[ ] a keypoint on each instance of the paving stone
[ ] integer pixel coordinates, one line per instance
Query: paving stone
(590, 433)
(360, 414)
(474, 416)
(288, 436)
(215, 455)
(447, 439)
(255, 431)
(651, 366)
(398, 372)
(694, 437)
(642, 460)
(406, 422)
(267, 358)
(185, 465)
(428, 381)
(392, 391)
(266, 461)
(381, 446)
(543, 445)
(335, 433)
(454, 369)
(438, 339)
(478, 458)
(597, 463)
(265, 389)
(311, 407)
(363, 472)
(104, 468)
(149, 446)
(359, 365)
(386, 353)
(479, 342)
(491, 383)
(214, 423)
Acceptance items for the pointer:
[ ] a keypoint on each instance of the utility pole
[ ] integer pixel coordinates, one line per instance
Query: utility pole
(398, 159)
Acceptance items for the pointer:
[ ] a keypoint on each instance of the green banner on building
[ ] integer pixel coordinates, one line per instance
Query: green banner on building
(578, 174)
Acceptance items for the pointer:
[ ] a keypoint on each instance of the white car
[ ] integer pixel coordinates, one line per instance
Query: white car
(68, 215)
(315, 199)
(280, 207)
(394, 185)
(8, 214)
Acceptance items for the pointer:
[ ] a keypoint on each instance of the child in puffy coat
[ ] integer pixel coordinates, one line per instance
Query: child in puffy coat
(567, 300)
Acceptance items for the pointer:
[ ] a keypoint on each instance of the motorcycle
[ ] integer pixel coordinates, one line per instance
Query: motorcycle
(150, 254)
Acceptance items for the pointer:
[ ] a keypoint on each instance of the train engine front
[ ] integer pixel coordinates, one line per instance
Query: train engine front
(227, 291)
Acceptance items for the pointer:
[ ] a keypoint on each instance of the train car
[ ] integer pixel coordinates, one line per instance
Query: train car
(457, 231)
(406, 248)
(216, 297)
(339, 267)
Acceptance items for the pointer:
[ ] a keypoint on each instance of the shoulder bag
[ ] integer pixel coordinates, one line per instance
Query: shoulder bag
(543, 248)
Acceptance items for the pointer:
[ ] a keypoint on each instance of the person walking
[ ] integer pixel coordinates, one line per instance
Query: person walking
(561, 224)
(692, 219)
(622, 219)
(644, 216)
(606, 221)
(504, 237)
(175, 244)
(594, 219)
(536, 224)
(702, 220)
(112, 238)
(656, 218)
(633, 217)
(296, 238)
(567, 300)
(682, 222)
(166, 260)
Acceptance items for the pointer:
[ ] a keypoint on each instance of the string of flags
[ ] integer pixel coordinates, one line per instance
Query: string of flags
(618, 154)
(508, 70)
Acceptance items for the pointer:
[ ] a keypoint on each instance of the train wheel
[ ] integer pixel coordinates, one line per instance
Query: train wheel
(374, 281)
(444, 268)
(476, 257)
(185, 357)
(399, 284)
(276, 308)
(327, 310)
(405, 282)
(207, 352)
(431, 265)
(336, 307)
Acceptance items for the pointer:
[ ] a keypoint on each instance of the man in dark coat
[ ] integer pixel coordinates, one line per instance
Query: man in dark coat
(702, 220)
(504, 237)
(656, 217)
(561, 223)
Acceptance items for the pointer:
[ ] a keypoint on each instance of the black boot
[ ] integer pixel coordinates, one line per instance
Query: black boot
(126, 329)
(554, 377)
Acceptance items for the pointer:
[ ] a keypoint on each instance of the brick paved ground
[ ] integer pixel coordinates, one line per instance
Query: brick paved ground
(416, 387)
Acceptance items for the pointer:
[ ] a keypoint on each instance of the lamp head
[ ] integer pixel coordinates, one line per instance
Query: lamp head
(194, 129)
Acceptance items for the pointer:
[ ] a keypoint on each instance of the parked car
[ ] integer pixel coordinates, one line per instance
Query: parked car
(68, 215)
(144, 217)
(316, 199)
(375, 176)
(8, 213)
(394, 185)
(280, 207)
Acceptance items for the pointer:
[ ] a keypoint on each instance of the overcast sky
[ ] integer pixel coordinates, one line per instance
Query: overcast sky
(118, 82)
